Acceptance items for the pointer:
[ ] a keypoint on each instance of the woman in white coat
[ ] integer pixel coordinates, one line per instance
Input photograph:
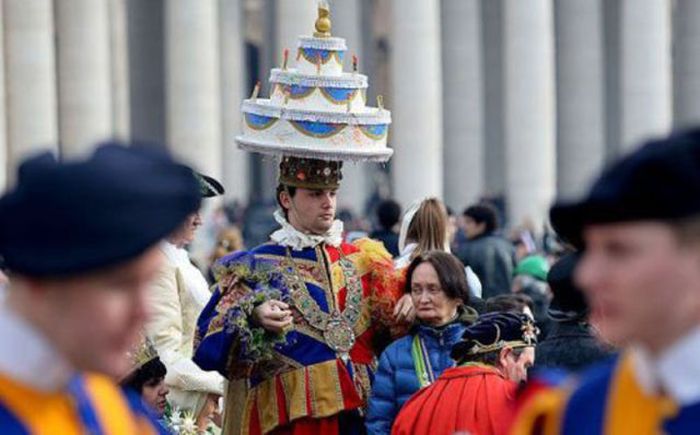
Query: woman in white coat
(176, 299)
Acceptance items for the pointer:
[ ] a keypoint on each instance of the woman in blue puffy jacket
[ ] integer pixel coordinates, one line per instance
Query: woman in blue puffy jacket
(440, 294)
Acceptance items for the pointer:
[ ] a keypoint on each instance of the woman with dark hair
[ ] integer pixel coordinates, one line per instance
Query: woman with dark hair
(438, 287)
(147, 377)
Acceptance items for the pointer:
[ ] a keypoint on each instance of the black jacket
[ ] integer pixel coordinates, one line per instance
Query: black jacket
(491, 258)
(570, 346)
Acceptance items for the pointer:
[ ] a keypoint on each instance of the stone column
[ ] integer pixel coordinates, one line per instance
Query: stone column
(686, 63)
(293, 18)
(492, 99)
(235, 162)
(30, 79)
(580, 94)
(416, 105)
(146, 43)
(193, 100)
(462, 102)
(346, 16)
(119, 43)
(529, 110)
(84, 79)
(645, 70)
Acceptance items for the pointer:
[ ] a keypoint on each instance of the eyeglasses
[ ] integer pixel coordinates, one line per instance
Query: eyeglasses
(430, 290)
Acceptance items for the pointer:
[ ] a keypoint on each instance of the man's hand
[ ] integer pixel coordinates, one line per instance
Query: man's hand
(274, 316)
(404, 312)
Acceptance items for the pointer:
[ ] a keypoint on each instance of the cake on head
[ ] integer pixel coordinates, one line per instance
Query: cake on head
(316, 110)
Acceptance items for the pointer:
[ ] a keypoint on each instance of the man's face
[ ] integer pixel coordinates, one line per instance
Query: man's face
(472, 228)
(641, 283)
(93, 320)
(185, 234)
(514, 366)
(310, 210)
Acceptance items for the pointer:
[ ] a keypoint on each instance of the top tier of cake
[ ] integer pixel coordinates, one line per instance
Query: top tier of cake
(321, 56)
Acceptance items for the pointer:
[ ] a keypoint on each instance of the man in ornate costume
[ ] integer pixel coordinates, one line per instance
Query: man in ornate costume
(640, 272)
(79, 239)
(297, 318)
(477, 395)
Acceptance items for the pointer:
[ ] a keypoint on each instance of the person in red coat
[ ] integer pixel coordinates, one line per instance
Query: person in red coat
(475, 396)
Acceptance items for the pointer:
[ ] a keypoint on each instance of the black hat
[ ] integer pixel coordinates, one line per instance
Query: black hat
(208, 186)
(65, 218)
(568, 302)
(660, 181)
(493, 331)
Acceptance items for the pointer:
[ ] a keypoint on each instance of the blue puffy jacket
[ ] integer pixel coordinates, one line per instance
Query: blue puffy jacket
(396, 381)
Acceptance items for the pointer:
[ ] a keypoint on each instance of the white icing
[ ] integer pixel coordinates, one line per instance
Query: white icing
(379, 154)
(294, 77)
(368, 116)
(349, 143)
(328, 43)
(318, 101)
(332, 68)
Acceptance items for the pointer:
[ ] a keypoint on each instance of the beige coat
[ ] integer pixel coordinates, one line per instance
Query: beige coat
(175, 299)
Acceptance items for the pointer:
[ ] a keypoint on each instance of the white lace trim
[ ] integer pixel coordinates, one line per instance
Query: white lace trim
(293, 77)
(295, 239)
(329, 43)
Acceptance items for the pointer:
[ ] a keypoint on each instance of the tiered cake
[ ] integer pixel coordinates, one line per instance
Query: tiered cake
(316, 110)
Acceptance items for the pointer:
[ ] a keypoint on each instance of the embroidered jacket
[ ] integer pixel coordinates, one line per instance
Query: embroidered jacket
(298, 374)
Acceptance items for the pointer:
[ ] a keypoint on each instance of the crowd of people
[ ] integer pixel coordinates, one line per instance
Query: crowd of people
(310, 333)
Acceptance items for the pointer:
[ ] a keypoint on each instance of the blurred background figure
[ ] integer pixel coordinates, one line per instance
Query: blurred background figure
(388, 215)
(571, 343)
(510, 303)
(486, 252)
(440, 295)
(176, 298)
(493, 356)
(228, 241)
(530, 279)
(425, 227)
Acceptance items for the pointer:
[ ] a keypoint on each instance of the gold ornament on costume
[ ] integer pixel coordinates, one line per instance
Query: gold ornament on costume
(323, 22)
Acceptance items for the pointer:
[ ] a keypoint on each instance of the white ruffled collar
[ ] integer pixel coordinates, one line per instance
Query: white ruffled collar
(295, 239)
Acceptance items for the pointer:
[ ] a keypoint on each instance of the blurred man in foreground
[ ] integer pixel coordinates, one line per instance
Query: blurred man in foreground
(640, 272)
(78, 240)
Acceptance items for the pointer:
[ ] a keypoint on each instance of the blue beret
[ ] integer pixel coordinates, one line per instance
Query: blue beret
(65, 218)
(660, 181)
(493, 331)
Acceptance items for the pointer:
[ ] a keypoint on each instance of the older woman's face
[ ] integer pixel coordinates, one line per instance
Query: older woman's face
(432, 304)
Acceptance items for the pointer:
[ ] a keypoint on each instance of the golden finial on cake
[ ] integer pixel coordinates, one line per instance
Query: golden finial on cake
(323, 22)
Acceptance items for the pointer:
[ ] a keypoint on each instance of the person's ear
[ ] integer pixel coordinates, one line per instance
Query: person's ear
(504, 355)
(285, 199)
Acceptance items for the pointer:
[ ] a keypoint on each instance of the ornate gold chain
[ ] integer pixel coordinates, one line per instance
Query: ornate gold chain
(336, 327)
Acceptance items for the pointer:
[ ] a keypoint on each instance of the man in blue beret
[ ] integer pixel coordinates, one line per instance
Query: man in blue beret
(78, 239)
(476, 396)
(640, 272)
